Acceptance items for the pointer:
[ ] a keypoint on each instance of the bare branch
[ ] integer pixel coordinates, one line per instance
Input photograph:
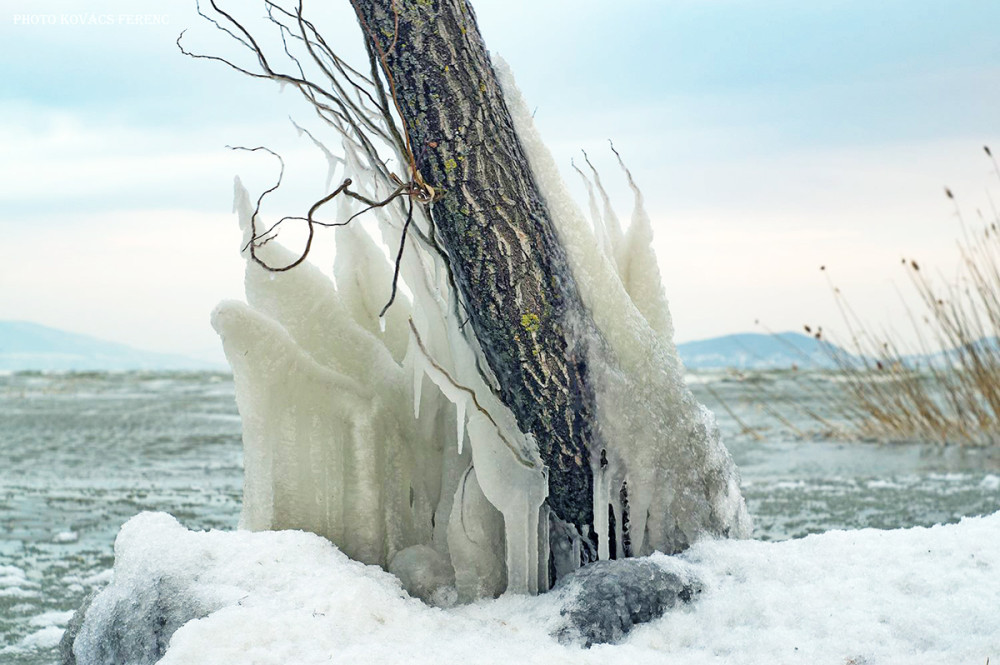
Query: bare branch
(358, 107)
(399, 257)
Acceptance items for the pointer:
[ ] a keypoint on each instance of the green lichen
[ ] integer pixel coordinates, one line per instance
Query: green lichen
(450, 165)
(531, 322)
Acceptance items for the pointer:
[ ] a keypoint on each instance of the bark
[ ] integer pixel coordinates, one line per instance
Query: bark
(511, 270)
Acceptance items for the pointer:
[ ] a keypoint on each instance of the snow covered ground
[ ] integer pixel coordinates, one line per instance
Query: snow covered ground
(920, 595)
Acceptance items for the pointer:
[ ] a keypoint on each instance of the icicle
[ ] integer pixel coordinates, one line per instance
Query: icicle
(600, 232)
(332, 160)
(418, 383)
(602, 491)
(460, 408)
(616, 506)
(543, 548)
(612, 226)
(564, 545)
(457, 394)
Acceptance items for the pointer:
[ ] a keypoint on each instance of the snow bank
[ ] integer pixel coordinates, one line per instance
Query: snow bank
(909, 596)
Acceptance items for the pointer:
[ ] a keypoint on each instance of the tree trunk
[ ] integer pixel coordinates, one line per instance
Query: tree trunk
(512, 272)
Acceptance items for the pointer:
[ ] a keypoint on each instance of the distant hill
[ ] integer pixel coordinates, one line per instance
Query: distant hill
(757, 351)
(29, 346)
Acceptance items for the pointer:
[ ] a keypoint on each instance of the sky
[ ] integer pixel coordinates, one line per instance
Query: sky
(770, 137)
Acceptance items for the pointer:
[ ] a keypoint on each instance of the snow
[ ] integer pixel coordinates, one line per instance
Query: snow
(46, 638)
(922, 595)
(51, 626)
(66, 537)
(12, 577)
(49, 619)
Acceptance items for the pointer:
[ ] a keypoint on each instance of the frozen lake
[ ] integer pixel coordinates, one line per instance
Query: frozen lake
(80, 454)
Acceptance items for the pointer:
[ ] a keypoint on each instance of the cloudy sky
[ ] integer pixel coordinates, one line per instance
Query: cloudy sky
(770, 137)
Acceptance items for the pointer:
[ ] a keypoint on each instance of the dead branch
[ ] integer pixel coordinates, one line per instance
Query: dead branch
(355, 105)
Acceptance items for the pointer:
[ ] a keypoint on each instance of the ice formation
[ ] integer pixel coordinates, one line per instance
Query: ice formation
(291, 597)
(682, 483)
(385, 435)
(342, 438)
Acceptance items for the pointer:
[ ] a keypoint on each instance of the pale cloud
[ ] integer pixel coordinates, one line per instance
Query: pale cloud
(769, 138)
(756, 254)
(148, 278)
(58, 161)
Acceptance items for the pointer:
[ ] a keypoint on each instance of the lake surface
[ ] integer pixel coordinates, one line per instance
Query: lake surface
(82, 453)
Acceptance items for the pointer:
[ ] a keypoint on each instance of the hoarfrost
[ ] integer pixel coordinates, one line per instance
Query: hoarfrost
(662, 445)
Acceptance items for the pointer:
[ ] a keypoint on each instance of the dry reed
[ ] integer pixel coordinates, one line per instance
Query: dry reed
(946, 389)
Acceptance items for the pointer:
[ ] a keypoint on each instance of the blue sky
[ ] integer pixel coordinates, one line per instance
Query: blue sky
(769, 138)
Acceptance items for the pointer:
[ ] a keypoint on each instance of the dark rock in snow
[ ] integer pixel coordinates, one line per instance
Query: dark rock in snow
(129, 624)
(604, 600)
(66, 656)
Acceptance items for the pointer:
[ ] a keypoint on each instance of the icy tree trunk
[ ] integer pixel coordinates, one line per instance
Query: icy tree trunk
(520, 296)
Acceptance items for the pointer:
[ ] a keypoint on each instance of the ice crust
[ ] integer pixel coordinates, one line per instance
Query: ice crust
(385, 434)
(911, 596)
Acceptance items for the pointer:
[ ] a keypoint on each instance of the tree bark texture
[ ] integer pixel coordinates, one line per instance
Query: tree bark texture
(509, 265)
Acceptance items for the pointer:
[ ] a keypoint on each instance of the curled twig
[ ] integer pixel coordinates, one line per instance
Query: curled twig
(257, 241)
(360, 117)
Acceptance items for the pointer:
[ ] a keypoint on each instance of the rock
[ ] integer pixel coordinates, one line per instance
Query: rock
(66, 656)
(426, 574)
(605, 599)
(129, 623)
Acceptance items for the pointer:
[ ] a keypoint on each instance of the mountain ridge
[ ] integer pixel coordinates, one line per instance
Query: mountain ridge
(28, 346)
(758, 351)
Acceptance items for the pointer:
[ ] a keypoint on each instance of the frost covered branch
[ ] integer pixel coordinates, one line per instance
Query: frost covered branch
(358, 118)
